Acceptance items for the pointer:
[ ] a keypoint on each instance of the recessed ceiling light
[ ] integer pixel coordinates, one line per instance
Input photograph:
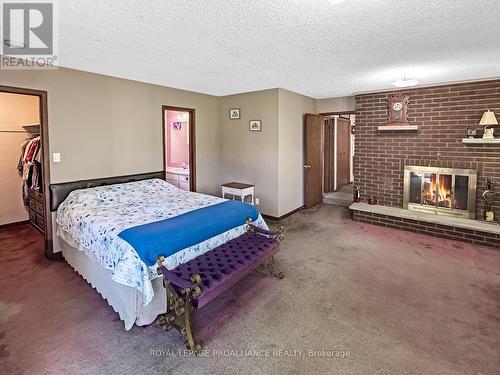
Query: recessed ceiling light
(14, 44)
(335, 2)
(405, 82)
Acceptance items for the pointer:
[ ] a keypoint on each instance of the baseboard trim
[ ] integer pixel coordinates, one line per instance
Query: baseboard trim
(4, 226)
(274, 218)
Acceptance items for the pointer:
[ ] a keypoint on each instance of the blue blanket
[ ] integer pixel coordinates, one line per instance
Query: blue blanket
(169, 236)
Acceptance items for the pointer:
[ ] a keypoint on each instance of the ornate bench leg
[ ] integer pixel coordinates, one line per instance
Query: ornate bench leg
(271, 267)
(178, 314)
(190, 343)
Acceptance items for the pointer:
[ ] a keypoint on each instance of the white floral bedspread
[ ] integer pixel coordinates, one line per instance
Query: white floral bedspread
(94, 217)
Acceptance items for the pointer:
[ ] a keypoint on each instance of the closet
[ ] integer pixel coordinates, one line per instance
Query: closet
(21, 175)
(30, 162)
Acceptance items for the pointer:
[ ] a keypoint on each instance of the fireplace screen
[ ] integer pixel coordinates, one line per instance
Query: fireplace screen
(441, 190)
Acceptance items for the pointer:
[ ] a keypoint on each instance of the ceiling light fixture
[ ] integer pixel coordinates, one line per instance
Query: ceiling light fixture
(405, 82)
(14, 44)
(335, 2)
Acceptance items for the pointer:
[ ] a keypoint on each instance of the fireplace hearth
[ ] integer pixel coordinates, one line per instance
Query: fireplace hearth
(446, 191)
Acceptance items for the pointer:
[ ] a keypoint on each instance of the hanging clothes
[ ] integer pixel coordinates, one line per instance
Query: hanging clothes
(31, 149)
(30, 166)
(20, 163)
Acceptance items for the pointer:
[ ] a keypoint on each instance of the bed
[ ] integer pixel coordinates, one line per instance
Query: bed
(90, 215)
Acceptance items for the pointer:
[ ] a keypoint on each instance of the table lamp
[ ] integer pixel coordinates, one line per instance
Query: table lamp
(487, 120)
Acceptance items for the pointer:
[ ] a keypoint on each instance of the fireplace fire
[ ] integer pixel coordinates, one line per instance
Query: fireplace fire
(447, 191)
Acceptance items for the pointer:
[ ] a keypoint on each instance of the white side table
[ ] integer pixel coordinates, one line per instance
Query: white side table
(238, 189)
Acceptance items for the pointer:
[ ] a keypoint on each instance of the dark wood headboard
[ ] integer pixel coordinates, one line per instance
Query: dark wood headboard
(59, 192)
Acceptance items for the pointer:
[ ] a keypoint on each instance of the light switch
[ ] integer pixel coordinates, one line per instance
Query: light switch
(56, 157)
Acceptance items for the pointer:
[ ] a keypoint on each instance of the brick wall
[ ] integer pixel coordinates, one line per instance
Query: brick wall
(442, 114)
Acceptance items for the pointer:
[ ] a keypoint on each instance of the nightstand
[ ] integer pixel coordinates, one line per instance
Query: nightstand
(238, 189)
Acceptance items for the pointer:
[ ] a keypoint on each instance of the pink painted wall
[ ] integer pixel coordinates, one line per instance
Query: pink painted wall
(177, 140)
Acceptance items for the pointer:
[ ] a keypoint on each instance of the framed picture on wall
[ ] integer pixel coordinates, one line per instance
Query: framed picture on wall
(255, 125)
(177, 125)
(234, 113)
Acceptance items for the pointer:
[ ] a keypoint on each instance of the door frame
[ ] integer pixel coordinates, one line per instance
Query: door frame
(351, 155)
(329, 149)
(192, 141)
(44, 137)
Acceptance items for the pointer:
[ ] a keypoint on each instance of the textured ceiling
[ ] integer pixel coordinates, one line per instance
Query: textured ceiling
(313, 47)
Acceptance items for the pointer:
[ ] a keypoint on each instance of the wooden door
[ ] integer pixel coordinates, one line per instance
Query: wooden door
(313, 160)
(329, 155)
(343, 147)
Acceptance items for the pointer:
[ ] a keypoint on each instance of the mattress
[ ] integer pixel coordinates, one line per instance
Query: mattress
(91, 219)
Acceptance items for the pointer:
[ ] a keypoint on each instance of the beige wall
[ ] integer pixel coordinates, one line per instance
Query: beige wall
(271, 159)
(11, 203)
(292, 107)
(340, 104)
(247, 156)
(15, 111)
(105, 126)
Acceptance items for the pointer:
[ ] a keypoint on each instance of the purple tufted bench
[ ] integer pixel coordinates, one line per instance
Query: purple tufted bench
(205, 277)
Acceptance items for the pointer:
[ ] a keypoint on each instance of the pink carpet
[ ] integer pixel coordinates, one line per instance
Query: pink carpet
(396, 302)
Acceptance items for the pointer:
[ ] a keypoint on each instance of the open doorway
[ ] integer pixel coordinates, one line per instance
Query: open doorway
(328, 158)
(24, 162)
(338, 158)
(179, 147)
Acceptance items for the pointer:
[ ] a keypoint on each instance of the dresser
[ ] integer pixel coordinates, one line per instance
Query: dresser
(178, 177)
(36, 209)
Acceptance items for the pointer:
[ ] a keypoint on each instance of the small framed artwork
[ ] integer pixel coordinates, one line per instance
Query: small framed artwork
(255, 125)
(177, 125)
(234, 113)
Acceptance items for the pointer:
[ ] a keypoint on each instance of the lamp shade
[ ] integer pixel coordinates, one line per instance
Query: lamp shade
(488, 119)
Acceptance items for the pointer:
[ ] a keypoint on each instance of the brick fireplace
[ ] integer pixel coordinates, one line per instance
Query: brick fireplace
(441, 115)
(443, 191)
